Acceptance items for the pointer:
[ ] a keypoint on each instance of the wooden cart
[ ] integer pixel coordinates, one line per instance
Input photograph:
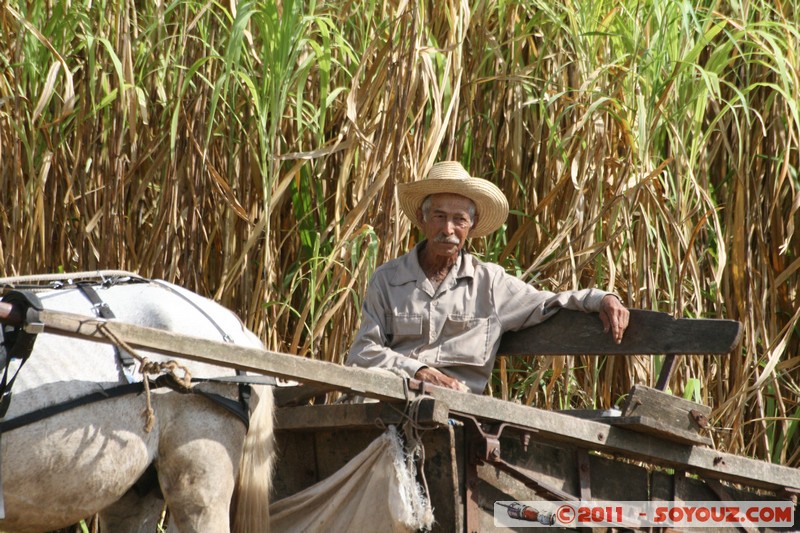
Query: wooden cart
(479, 450)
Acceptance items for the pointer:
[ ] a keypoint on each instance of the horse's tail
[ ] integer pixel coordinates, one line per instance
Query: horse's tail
(251, 501)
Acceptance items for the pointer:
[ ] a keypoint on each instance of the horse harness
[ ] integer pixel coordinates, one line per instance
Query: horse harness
(17, 343)
(101, 309)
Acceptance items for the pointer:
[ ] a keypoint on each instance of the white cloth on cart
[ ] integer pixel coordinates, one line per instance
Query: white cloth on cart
(375, 492)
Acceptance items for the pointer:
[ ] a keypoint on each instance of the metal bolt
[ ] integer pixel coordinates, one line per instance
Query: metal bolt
(526, 440)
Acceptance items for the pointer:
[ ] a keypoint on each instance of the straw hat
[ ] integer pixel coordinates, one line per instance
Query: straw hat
(450, 177)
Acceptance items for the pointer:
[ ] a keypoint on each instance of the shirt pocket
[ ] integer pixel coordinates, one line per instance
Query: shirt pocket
(403, 327)
(464, 340)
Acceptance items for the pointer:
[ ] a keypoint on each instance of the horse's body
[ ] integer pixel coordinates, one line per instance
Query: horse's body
(85, 461)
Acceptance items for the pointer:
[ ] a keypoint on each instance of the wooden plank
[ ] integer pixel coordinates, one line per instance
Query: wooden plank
(667, 488)
(549, 425)
(667, 409)
(644, 424)
(610, 480)
(443, 477)
(649, 332)
(364, 415)
(591, 414)
(299, 394)
(558, 466)
(586, 433)
(334, 449)
(648, 410)
(297, 468)
(358, 380)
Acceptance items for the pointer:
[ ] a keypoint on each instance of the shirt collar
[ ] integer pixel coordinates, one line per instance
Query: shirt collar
(465, 266)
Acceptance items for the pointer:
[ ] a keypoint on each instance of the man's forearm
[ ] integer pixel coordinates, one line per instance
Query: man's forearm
(368, 354)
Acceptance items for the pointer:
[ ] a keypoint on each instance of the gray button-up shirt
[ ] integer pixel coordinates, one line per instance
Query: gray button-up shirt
(407, 325)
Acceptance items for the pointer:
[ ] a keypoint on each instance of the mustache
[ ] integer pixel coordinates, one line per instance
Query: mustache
(448, 239)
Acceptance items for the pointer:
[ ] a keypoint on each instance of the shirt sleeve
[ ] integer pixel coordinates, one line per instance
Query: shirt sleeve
(519, 305)
(370, 348)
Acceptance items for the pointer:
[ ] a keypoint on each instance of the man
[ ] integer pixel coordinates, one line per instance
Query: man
(437, 313)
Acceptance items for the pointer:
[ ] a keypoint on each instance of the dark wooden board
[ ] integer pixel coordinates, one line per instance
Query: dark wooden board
(300, 394)
(444, 477)
(363, 415)
(334, 449)
(645, 424)
(680, 487)
(559, 467)
(649, 333)
(667, 409)
(293, 448)
(662, 425)
(554, 427)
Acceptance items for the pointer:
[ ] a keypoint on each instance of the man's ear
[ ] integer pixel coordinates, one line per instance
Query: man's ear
(474, 223)
(420, 218)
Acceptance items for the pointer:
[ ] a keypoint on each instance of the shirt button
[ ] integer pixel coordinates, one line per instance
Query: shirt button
(433, 303)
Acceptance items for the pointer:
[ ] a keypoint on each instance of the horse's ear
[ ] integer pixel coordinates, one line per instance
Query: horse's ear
(475, 220)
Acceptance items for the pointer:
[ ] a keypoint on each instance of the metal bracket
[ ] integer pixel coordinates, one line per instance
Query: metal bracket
(33, 324)
(487, 449)
(789, 494)
(420, 387)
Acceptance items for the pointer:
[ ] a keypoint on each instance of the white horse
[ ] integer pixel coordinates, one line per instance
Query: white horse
(88, 460)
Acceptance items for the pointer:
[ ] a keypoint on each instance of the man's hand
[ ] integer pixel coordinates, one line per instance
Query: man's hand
(435, 377)
(614, 316)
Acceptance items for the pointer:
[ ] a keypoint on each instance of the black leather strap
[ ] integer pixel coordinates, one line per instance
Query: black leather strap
(17, 344)
(228, 404)
(104, 311)
(41, 414)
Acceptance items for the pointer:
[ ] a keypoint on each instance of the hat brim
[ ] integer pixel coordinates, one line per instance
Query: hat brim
(491, 204)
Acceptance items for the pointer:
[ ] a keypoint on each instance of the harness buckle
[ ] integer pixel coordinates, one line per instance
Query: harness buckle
(100, 309)
(128, 372)
(34, 327)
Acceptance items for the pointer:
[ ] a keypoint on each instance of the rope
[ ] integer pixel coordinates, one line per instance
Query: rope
(412, 429)
(149, 413)
(36, 278)
(152, 368)
(415, 441)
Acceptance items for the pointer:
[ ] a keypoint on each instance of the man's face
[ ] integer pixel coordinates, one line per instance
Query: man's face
(447, 223)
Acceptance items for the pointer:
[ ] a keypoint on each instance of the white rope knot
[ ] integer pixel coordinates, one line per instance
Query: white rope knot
(150, 368)
(170, 368)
